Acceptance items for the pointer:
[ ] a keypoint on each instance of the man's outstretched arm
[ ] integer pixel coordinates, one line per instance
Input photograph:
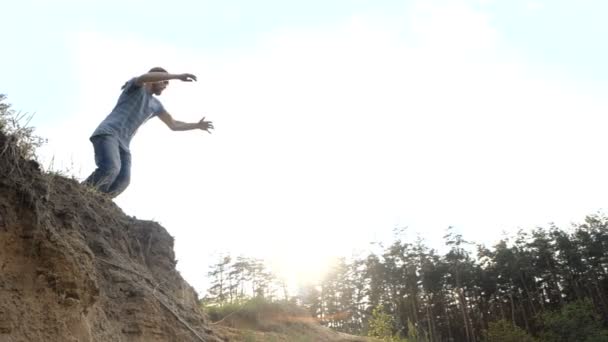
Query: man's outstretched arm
(176, 125)
(151, 77)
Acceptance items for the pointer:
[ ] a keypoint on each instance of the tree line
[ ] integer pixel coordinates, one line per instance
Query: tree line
(235, 280)
(532, 284)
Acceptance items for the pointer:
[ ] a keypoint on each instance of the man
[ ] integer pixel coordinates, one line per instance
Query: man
(135, 106)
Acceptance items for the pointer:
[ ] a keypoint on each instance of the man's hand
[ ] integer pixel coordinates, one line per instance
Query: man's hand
(205, 125)
(186, 77)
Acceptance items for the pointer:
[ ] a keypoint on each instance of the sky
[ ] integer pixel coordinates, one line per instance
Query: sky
(336, 120)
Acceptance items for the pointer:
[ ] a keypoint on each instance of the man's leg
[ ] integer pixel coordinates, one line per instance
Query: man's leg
(107, 158)
(124, 177)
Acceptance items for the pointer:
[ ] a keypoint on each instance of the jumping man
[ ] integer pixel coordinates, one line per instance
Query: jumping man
(135, 106)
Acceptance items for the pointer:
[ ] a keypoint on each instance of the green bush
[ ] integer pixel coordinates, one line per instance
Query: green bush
(381, 326)
(576, 321)
(503, 331)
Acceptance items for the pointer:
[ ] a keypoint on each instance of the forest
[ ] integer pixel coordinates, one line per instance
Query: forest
(542, 284)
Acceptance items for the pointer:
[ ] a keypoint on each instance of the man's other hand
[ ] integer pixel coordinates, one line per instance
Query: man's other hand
(205, 125)
(186, 77)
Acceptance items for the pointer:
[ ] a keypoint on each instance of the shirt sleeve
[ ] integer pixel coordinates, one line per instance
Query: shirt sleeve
(130, 85)
(157, 107)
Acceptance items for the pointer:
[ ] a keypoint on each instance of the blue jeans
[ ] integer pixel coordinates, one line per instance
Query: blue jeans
(113, 172)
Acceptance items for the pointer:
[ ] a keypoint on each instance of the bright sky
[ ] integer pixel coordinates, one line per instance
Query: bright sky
(336, 120)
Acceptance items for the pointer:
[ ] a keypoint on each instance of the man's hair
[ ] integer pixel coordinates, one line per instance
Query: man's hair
(155, 69)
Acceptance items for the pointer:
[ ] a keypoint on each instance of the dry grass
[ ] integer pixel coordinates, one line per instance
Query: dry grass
(260, 320)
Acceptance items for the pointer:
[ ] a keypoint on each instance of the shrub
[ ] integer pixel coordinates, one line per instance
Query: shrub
(503, 331)
(15, 126)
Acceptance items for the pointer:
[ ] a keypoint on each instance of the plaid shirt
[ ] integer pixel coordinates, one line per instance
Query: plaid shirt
(134, 107)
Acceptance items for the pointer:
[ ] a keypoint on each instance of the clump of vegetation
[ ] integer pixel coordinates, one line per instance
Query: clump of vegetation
(504, 331)
(257, 313)
(381, 326)
(15, 126)
(576, 321)
(250, 310)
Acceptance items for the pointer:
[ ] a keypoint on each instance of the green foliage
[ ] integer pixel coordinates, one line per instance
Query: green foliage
(503, 331)
(217, 313)
(381, 326)
(576, 321)
(15, 125)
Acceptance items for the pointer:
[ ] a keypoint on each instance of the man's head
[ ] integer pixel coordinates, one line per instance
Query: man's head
(157, 87)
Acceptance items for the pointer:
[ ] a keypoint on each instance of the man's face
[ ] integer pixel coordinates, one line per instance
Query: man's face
(158, 87)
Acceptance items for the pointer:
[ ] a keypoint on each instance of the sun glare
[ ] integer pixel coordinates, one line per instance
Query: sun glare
(302, 266)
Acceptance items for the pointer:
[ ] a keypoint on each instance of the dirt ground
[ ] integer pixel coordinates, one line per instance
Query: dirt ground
(74, 267)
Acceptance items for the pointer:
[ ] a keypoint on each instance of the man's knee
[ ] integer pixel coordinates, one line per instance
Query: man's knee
(110, 172)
